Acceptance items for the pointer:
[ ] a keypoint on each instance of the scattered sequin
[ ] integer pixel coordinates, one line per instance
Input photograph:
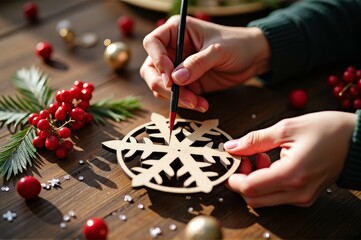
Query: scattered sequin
(55, 182)
(188, 197)
(71, 213)
(154, 232)
(220, 199)
(46, 186)
(140, 206)
(266, 235)
(172, 227)
(80, 178)
(123, 217)
(81, 162)
(63, 225)
(128, 198)
(190, 209)
(254, 116)
(66, 218)
(329, 190)
(5, 188)
(67, 177)
(9, 216)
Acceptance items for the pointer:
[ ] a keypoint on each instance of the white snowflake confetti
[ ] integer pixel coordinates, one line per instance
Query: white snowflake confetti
(140, 206)
(128, 198)
(154, 232)
(5, 188)
(173, 227)
(9, 216)
(67, 177)
(55, 182)
(66, 218)
(45, 186)
(63, 225)
(123, 217)
(266, 235)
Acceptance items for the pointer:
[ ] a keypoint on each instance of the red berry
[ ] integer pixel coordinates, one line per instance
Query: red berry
(86, 94)
(68, 144)
(337, 90)
(44, 50)
(354, 91)
(349, 76)
(53, 107)
(245, 167)
(357, 103)
(77, 114)
(263, 161)
(52, 143)
(76, 92)
(358, 73)
(359, 83)
(66, 96)
(44, 134)
(31, 117)
(83, 104)
(43, 124)
(61, 152)
(333, 80)
(28, 187)
(67, 106)
(77, 125)
(88, 86)
(60, 114)
(78, 83)
(298, 98)
(30, 11)
(126, 25)
(35, 121)
(44, 114)
(95, 228)
(346, 103)
(38, 142)
(88, 117)
(64, 132)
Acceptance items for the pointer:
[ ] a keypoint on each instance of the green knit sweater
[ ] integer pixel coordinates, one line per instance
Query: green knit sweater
(311, 34)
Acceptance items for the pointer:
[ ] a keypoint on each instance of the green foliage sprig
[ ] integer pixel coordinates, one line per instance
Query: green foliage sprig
(33, 95)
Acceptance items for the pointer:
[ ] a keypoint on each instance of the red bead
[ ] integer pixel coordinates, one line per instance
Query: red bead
(298, 98)
(95, 228)
(44, 50)
(30, 11)
(52, 143)
(126, 25)
(28, 187)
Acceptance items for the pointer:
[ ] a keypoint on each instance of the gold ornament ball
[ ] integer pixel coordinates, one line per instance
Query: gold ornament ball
(117, 55)
(203, 227)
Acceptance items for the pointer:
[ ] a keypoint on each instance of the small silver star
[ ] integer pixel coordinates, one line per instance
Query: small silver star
(9, 216)
(55, 182)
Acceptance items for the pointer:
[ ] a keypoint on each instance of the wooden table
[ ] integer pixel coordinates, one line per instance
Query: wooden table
(336, 214)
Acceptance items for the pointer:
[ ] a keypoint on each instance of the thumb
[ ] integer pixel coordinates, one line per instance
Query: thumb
(256, 142)
(194, 66)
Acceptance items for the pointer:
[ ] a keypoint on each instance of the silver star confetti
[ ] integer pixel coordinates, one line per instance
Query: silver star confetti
(9, 216)
(55, 182)
(140, 206)
(72, 213)
(66, 218)
(128, 198)
(67, 177)
(154, 232)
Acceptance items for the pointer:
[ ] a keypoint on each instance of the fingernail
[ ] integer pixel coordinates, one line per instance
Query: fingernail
(181, 75)
(200, 109)
(231, 144)
(187, 103)
(165, 79)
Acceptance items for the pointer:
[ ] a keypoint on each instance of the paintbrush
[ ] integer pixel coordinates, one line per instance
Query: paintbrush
(178, 59)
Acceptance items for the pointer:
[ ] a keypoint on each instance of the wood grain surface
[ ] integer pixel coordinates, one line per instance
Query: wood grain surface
(335, 215)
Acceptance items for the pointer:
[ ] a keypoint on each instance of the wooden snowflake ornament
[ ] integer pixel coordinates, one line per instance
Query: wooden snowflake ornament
(194, 160)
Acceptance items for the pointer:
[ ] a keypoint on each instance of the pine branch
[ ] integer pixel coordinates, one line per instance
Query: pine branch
(13, 111)
(17, 155)
(117, 110)
(33, 87)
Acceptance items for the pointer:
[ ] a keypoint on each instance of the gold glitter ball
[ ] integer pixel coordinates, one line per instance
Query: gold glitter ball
(203, 227)
(117, 55)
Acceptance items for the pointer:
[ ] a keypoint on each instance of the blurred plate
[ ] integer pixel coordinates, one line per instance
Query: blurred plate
(165, 5)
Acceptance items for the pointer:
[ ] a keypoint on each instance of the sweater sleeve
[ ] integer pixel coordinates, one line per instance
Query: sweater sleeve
(311, 34)
(351, 174)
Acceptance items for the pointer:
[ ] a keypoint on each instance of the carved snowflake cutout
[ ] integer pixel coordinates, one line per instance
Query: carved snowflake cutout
(193, 161)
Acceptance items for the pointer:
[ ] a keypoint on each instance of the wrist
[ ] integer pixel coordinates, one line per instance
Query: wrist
(261, 50)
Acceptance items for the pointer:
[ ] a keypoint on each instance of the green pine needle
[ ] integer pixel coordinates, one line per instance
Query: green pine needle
(117, 110)
(16, 156)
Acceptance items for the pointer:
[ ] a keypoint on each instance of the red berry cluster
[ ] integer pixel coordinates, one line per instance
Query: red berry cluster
(67, 113)
(347, 88)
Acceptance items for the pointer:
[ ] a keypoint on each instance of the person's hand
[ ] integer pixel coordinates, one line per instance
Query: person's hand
(313, 150)
(215, 57)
